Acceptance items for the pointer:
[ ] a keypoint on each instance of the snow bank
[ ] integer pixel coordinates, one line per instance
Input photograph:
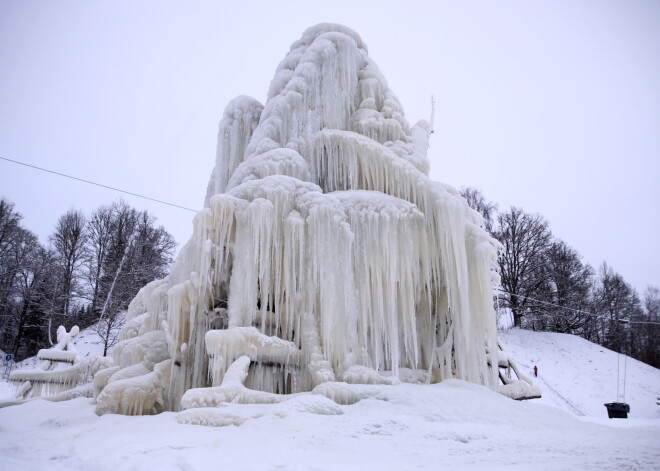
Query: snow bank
(451, 425)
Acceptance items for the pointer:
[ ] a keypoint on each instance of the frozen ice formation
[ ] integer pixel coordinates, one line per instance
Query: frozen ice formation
(324, 254)
(61, 373)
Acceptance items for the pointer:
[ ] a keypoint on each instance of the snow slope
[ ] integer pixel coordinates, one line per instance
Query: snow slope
(579, 376)
(451, 425)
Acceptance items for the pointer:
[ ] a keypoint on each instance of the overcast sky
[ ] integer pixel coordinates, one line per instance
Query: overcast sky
(553, 106)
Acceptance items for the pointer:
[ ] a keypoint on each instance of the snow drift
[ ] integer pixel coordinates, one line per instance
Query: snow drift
(324, 253)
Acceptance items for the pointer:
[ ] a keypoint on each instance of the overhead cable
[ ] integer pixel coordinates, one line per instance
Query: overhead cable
(624, 321)
(97, 184)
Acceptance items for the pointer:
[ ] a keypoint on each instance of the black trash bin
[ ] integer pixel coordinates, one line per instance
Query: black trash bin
(617, 410)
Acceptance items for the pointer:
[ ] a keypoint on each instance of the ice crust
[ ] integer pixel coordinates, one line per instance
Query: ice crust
(324, 253)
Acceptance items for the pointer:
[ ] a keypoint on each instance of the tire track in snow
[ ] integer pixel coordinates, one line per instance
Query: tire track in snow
(566, 400)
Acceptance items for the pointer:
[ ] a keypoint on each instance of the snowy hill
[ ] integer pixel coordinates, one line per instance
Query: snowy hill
(452, 425)
(578, 376)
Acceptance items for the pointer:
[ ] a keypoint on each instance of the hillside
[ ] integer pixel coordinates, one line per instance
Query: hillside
(578, 376)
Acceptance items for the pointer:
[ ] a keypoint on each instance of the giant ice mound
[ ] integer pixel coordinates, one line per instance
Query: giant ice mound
(324, 254)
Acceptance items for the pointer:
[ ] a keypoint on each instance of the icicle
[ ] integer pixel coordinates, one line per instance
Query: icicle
(238, 123)
(324, 252)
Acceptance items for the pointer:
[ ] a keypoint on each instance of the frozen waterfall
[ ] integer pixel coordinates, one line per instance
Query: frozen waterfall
(324, 254)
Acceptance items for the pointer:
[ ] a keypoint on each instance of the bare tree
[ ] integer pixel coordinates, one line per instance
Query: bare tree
(68, 242)
(617, 303)
(9, 223)
(33, 293)
(646, 331)
(121, 250)
(99, 238)
(10, 237)
(652, 301)
(525, 238)
(136, 252)
(478, 202)
(25, 273)
(566, 290)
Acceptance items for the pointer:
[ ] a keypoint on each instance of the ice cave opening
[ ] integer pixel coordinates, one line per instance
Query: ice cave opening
(324, 256)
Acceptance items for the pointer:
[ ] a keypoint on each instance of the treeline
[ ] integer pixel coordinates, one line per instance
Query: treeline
(89, 272)
(546, 286)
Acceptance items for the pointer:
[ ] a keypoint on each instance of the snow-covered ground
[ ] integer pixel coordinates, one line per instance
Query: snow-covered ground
(452, 425)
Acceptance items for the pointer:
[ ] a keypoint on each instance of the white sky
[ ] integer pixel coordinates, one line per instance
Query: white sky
(553, 106)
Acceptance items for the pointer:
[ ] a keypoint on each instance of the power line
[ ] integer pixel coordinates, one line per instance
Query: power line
(97, 184)
(194, 211)
(626, 321)
(544, 302)
(623, 321)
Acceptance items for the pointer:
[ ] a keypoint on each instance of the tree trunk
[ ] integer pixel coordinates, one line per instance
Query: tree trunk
(19, 334)
(517, 319)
